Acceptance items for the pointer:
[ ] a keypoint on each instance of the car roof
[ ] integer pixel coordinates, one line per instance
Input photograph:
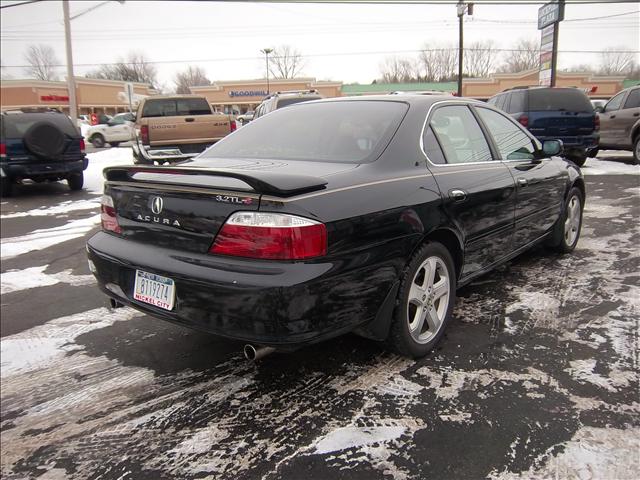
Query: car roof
(419, 100)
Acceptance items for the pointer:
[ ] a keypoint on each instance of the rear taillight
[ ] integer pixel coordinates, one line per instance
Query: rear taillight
(233, 125)
(82, 145)
(108, 215)
(3, 150)
(596, 122)
(524, 120)
(272, 236)
(144, 134)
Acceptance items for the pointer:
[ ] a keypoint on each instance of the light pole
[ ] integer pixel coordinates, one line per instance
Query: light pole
(462, 9)
(266, 52)
(71, 81)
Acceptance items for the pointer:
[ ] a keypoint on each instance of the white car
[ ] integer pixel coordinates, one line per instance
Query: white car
(119, 129)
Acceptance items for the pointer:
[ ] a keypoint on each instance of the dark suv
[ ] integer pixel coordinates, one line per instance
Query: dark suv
(40, 146)
(283, 99)
(554, 113)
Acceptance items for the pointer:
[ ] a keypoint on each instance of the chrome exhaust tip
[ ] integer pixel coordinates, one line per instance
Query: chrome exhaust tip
(253, 354)
(113, 303)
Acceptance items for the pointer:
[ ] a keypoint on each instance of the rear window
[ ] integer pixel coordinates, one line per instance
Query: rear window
(171, 107)
(344, 131)
(562, 99)
(15, 125)
(283, 102)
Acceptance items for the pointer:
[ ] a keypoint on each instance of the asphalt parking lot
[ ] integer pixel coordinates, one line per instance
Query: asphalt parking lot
(537, 376)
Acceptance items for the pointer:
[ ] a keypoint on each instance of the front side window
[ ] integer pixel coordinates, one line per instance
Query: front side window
(512, 142)
(460, 135)
(615, 103)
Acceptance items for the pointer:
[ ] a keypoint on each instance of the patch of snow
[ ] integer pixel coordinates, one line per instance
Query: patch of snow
(201, 442)
(592, 453)
(599, 166)
(44, 238)
(61, 208)
(98, 161)
(349, 437)
(16, 280)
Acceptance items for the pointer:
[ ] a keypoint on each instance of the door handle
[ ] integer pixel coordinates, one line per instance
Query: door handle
(189, 119)
(522, 182)
(612, 116)
(636, 114)
(457, 195)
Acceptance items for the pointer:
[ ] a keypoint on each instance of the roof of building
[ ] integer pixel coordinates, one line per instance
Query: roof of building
(357, 89)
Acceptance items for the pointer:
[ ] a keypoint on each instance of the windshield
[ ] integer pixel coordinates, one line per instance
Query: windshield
(345, 131)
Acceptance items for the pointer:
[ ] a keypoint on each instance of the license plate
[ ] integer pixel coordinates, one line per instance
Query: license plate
(154, 289)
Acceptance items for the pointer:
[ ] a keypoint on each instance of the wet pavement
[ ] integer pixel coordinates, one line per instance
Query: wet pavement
(537, 376)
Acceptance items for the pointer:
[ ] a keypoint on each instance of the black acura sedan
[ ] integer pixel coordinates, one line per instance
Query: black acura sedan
(333, 216)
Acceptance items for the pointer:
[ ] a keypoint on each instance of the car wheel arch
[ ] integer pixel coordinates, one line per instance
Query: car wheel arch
(451, 240)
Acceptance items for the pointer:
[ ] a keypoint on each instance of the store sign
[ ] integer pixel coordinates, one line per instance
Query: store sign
(546, 55)
(54, 98)
(549, 14)
(248, 93)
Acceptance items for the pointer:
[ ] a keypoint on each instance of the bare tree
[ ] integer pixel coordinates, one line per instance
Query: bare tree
(193, 76)
(480, 58)
(524, 55)
(285, 62)
(136, 68)
(614, 61)
(42, 62)
(439, 62)
(398, 70)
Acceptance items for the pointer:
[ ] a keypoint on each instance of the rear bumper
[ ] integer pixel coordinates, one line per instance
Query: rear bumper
(580, 142)
(42, 169)
(268, 303)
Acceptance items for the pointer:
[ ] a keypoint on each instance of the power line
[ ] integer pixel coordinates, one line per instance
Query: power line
(315, 55)
(27, 2)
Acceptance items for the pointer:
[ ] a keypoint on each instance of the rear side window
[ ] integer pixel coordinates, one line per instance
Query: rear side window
(559, 99)
(460, 135)
(344, 131)
(171, 107)
(432, 148)
(633, 100)
(517, 102)
(16, 125)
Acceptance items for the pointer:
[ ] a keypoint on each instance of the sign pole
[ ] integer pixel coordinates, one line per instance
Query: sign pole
(554, 52)
(71, 83)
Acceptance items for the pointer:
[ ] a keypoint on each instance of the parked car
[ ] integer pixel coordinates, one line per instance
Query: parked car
(352, 214)
(284, 99)
(117, 130)
(245, 117)
(419, 92)
(40, 146)
(554, 113)
(172, 128)
(596, 103)
(620, 122)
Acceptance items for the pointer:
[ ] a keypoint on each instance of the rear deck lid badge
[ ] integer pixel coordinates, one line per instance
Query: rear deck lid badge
(156, 205)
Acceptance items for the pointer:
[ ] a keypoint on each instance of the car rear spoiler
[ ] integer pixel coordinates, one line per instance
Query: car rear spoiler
(264, 182)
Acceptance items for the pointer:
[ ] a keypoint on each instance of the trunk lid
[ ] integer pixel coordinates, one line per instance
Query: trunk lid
(187, 206)
(560, 112)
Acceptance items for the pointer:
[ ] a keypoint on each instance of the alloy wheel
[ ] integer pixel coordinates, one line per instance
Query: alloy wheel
(572, 223)
(428, 299)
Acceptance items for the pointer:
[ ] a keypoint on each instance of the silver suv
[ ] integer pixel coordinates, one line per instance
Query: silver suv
(284, 99)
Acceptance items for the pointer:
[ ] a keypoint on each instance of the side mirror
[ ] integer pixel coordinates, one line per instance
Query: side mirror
(599, 109)
(552, 147)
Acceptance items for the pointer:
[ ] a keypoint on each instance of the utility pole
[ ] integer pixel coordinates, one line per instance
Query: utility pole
(462, 8)
(266, 52)
(71, 81)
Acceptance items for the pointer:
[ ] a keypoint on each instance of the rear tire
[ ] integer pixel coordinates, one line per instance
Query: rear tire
(97, 140)
(114, 144)
(636, 150)
(6, 187)
(424, 305)
(566, 231)
(76, 181)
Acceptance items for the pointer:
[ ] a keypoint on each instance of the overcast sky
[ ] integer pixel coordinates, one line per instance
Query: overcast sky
(340, 42)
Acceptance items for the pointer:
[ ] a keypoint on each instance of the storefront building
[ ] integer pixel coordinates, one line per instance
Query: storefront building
(92, 96)
(241, 96)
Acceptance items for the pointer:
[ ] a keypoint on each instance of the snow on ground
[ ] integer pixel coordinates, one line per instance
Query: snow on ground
(16, 280)
(93, 179)
(602, 166)
(59, 209)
